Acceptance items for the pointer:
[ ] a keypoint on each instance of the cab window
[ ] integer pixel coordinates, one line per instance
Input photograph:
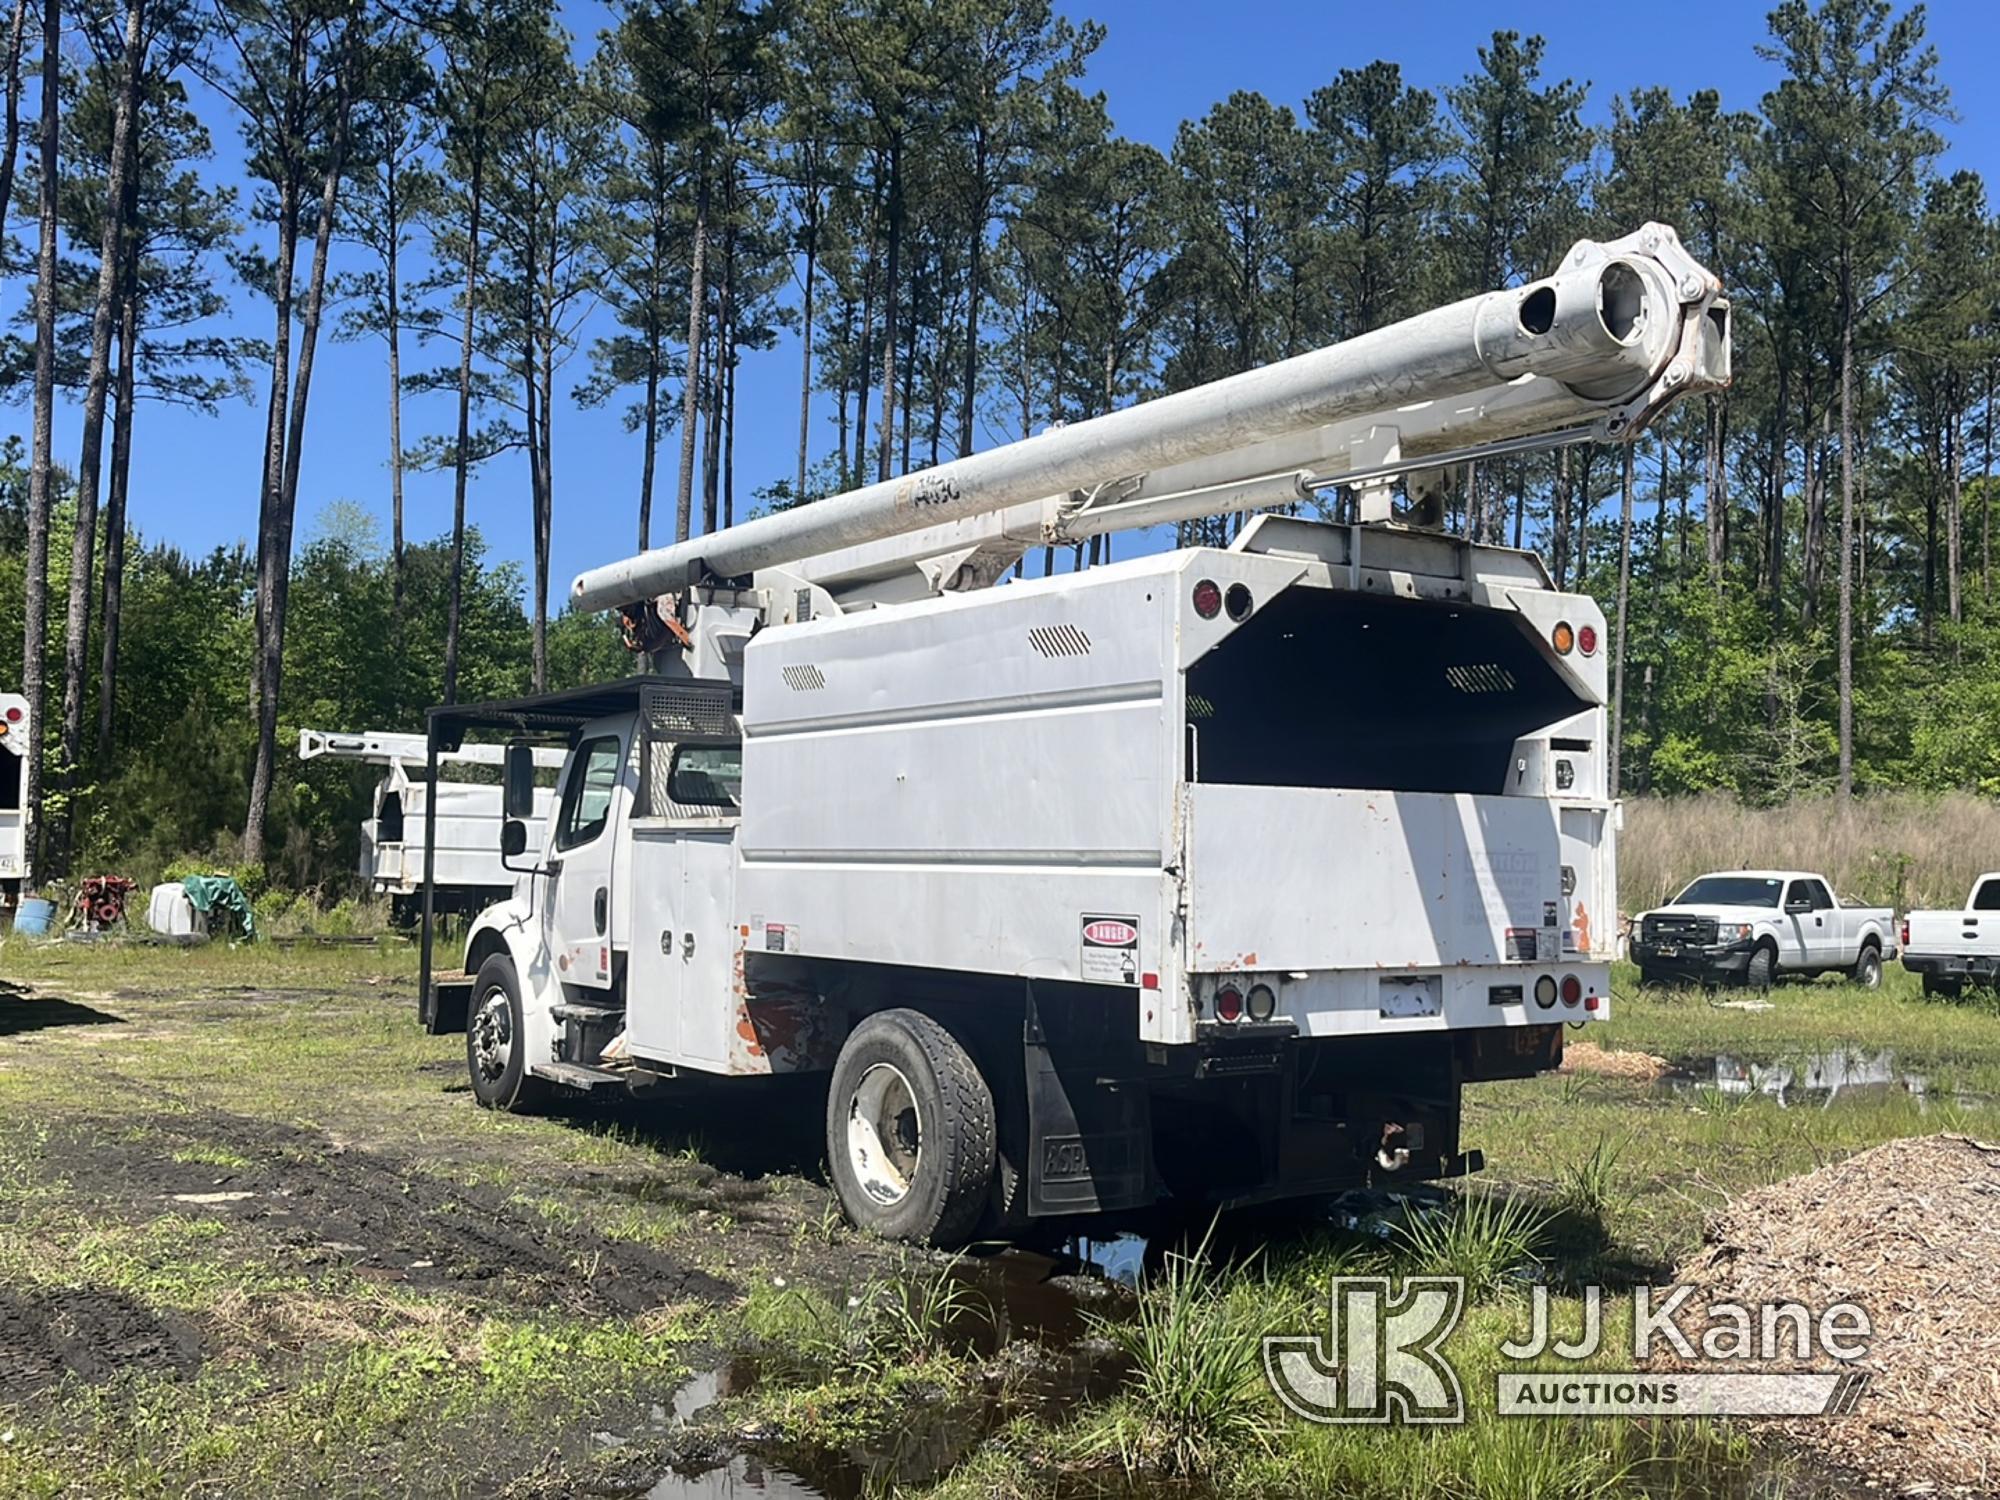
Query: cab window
(707, 776)
(1987, 897)
(586, 803)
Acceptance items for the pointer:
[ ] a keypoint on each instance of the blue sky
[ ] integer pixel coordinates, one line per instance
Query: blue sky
(195, 478)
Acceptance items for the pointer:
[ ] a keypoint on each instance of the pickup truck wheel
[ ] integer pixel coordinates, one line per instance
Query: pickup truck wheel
(495, 1044)
(1868, 968)
(1761, 969)
(910, 1131)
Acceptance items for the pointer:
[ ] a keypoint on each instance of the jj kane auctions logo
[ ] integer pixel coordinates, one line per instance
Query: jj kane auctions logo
(1381, 1358)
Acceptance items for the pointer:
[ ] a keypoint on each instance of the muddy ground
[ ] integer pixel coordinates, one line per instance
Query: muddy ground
(256, 1238)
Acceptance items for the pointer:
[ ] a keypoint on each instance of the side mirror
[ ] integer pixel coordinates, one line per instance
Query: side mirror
(1798, 907)
(513, 839)
(518, 773)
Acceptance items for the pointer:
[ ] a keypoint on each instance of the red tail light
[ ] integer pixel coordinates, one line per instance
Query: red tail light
(1229, 1004)
(1906, 932)
(1208, 598)
(1572, 989)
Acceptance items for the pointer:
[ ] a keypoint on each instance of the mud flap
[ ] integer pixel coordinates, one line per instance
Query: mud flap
(1089, 1136)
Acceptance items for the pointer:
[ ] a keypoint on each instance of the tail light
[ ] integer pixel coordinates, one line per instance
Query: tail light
(1545, 991)
(1906, 932)
(1586, 640)
(1208, 598)
(1563, 638)
(1238, 602)
(1229, 1003)
(1263, 1002)
(1572, 989)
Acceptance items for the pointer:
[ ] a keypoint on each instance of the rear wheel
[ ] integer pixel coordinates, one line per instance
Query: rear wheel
(1761, 970)
(910, 1131)
(1868, 968)
(496, 1054)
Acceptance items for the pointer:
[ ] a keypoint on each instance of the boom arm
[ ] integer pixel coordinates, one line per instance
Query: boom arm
(1596, 350)
(377, 747)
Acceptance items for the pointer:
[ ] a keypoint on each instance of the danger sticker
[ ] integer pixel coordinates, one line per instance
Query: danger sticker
(1110, 953)
(774, 937)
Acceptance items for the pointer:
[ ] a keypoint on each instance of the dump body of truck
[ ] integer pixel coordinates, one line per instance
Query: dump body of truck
(1952, 949)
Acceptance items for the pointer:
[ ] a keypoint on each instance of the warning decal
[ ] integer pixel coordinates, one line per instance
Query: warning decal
(1110, 953)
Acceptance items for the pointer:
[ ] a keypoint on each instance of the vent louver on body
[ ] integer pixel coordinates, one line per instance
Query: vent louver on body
(804, 677)
(1059, 640)
(1480, 677)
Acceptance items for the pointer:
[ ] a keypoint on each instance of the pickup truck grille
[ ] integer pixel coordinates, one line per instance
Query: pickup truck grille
(1679, 930)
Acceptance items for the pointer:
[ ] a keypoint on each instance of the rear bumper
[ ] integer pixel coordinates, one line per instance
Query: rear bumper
(1979, 967)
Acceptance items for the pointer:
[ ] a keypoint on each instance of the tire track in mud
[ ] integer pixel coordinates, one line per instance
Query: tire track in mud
(331, 1207)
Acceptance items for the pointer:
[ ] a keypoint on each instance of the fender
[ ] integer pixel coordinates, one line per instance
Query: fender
(511, 927)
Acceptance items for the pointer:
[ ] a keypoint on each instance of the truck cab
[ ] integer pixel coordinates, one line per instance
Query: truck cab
(1750, 926)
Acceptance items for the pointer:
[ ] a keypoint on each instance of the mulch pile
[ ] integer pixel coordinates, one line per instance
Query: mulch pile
(1910, 1231)
(1638, 1067)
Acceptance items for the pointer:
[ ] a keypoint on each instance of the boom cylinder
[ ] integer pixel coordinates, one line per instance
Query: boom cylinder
(1623, 325)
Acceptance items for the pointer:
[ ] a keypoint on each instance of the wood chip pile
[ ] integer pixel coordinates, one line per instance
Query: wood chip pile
(1910, 1231)
(1638, 1067)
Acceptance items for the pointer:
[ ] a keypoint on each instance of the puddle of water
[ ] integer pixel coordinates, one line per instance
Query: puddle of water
(1818, 1079)
(744, 1474)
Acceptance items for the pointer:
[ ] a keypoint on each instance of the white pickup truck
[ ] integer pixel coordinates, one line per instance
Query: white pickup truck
(1952, 949)
(1749, 926)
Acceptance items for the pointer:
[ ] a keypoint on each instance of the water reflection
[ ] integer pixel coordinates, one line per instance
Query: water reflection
(1819, 1079)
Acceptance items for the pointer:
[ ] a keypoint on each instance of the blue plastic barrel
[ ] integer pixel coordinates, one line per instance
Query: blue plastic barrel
(34, 918)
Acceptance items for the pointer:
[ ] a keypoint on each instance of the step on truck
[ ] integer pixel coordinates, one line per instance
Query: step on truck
(1213, 874)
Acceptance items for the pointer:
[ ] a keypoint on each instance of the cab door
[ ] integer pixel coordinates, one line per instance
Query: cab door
(1799, 945)
(582, 858)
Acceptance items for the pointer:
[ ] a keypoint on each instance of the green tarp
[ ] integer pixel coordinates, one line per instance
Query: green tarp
(219, 895)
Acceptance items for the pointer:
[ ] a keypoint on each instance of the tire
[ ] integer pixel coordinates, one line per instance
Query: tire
(910, 1131)
(495, 1048)
(1868, 967)
(1762, 969)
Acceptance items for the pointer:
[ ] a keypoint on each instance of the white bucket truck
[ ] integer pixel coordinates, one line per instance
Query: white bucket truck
(16, 742)
(1213, 873)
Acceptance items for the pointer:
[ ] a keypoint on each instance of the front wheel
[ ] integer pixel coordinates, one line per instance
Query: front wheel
(1761, 970)
(1868, 969)
(496, 1052)
(910, 1131)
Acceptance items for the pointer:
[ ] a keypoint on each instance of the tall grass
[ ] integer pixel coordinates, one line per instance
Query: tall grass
(1901, 849)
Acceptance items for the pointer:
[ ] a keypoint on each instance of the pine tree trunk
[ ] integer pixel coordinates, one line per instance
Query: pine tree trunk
(890, 299)
(113, 608)
(462, 455)
(1624, 595)
(12, 131)
(691, 394)
(806, 355)
(275, 580)
(1847, 555)
(35, 601)
(394, 310)
(97, 386)
(1954, 512)
(538, 583)
(974, 264)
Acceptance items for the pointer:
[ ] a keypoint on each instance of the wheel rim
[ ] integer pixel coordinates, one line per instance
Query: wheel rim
(493, 1036)
(1871, 972)
(884, 1134)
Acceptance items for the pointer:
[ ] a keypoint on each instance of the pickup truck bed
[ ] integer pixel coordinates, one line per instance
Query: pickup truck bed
(1951, 949)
